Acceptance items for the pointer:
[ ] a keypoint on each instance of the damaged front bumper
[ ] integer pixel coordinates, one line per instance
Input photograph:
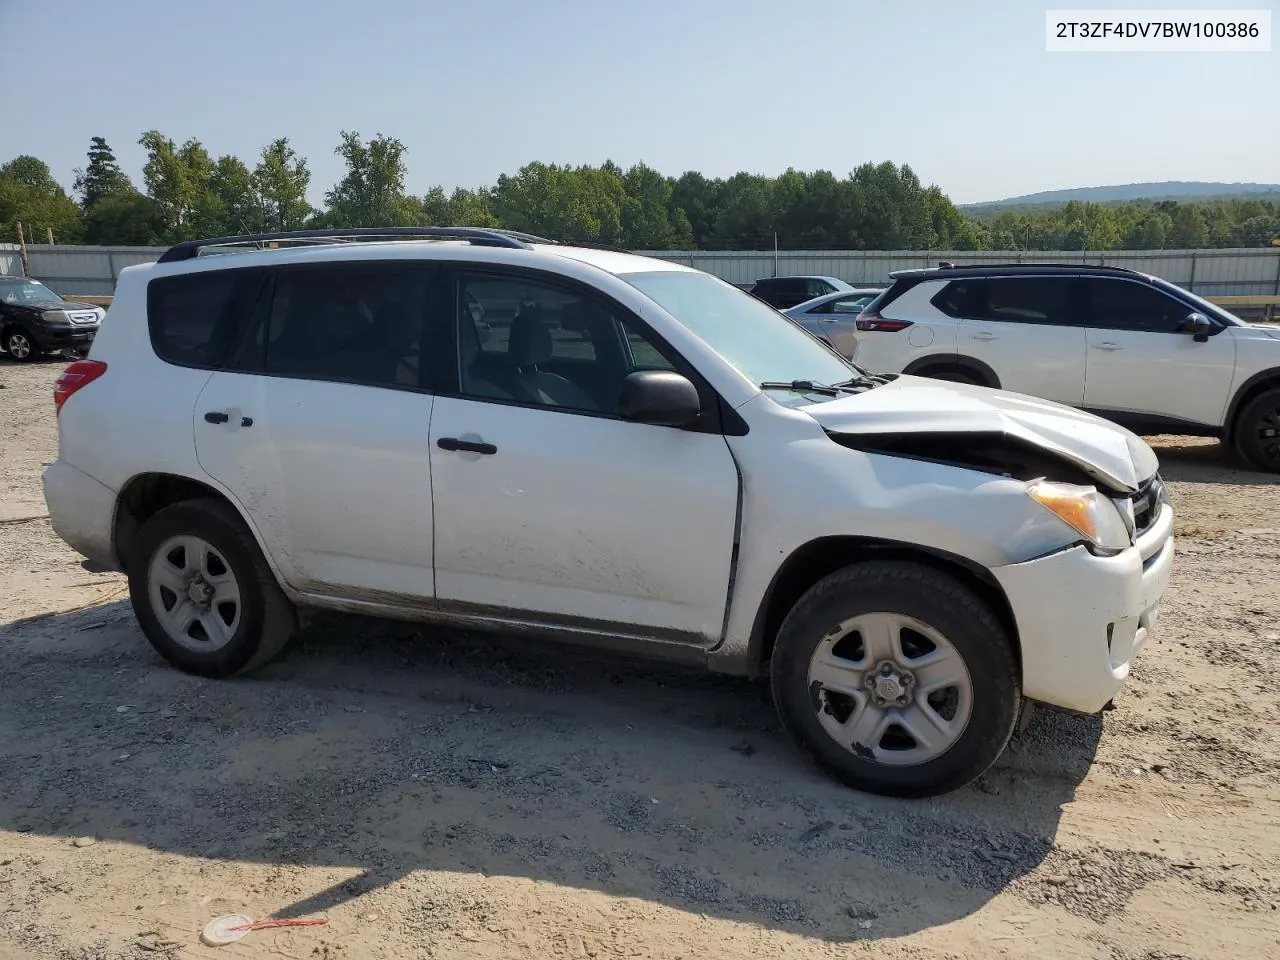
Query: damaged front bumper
(1082, 618)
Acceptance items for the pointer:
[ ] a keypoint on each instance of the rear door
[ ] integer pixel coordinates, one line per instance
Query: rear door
(320, 429)
(1142, 369)
(1030, 331)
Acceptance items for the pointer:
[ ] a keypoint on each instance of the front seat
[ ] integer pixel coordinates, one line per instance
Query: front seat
(528, 348)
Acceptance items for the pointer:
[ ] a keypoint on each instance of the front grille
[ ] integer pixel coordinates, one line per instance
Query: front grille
(1147, 503)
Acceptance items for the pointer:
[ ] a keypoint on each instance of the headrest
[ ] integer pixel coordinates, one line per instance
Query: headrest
(530, 341)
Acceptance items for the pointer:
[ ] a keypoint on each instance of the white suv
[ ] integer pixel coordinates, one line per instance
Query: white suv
(1127, 346)
(481, 428)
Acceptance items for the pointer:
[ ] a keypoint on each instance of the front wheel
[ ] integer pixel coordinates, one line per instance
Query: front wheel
(20, 346)
(204, 594)
(897, 679)
(1257, 432)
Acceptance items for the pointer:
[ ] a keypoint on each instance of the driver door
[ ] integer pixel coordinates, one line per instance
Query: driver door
(1142, 369)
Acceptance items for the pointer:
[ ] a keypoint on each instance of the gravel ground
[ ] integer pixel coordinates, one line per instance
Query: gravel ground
(435, 794)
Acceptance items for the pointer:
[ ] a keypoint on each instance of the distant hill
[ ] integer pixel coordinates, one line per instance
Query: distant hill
(1123, 192)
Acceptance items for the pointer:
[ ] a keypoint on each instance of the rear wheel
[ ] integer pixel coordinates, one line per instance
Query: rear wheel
(203, 593)
(1257, 431)
(20, 346)
(896, 679)
(955, 376)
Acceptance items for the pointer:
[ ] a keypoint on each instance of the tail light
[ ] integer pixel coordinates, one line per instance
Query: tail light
(869, 322)
(77, 375)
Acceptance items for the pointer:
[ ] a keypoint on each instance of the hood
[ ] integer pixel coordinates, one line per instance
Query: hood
(1106, 452)
(45, 305)
(1256, 331)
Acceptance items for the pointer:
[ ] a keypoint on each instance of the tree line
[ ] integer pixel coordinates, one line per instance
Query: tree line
(187, 193)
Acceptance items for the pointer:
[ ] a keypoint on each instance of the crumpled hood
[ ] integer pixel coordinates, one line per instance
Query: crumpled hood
(1105, 451)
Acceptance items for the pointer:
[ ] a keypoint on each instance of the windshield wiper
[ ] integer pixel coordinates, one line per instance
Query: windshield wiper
(802, 386)
(852, 385)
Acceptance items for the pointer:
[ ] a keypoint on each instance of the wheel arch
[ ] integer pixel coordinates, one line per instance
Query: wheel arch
(920, 366)
(814, 560)
(1259, 383)
(145, 494)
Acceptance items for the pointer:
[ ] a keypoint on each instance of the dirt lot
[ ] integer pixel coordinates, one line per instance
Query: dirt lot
(440, 795)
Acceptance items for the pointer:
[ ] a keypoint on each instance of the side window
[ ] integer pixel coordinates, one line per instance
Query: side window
(854, 305)
(957, 297)
(1125, 305)
(1037, 300)
(643, 354)
(530, 342)
(194, 318)
(816, 288)
(355, 323)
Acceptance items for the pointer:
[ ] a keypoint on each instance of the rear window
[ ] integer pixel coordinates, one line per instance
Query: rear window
(888, 295)
(194, 318)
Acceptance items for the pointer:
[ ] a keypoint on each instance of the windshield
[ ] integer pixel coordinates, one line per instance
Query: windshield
(764, 345)
(26, 291)
(1211, 309)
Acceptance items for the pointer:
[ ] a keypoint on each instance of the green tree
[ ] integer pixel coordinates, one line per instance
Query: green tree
(101, 177)
(126, 219)
(371, 193)
(177, 179)
(30, 195)
(1150, 232)
(649, 222)
(1189, 231)
(280, 181)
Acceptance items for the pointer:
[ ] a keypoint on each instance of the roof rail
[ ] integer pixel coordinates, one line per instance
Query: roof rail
(483, 237)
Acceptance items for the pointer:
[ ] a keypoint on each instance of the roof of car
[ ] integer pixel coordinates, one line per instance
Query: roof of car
(1008, 269)
(807, 276)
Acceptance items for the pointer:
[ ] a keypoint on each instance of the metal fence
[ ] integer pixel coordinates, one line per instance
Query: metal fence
(1253, 271)
(1211, 273)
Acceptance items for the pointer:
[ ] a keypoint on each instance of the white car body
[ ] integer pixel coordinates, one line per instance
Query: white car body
(628, 535)
(1148, 380)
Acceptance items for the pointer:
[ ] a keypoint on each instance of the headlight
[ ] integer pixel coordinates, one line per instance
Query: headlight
(55, 316)
(1084, 510)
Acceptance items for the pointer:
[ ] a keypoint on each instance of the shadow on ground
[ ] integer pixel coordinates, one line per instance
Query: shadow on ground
(390, 749)
(1196, 460)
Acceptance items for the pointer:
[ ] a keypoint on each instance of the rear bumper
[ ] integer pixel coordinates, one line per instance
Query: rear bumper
(1083, 618)
(82, 512)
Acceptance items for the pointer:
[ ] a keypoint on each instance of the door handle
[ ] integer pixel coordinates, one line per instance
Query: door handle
(469, 446)
(216, 416)
(983, 336)
(1107, 345)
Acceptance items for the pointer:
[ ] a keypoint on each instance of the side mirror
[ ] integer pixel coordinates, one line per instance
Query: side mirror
(1198, 325)
(659, 397)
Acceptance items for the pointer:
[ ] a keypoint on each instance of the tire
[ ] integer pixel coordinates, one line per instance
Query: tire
(20, 345)
(243, 633)
(920, 606)
(1257, 431)
(955, 376)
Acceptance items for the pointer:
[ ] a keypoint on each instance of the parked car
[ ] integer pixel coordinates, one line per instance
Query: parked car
(784, 292)
(34, 320)
(831, 316)
(696, 480)
(1131, 347)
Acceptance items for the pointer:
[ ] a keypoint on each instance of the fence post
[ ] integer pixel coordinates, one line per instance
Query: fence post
(1278, 273)
(1191, 284)
(22, 251)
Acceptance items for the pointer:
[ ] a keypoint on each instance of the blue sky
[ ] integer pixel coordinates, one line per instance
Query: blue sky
(963, 92)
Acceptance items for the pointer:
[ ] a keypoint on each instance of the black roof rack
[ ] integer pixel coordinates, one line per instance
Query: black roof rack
(978, 269)
(483, 237)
